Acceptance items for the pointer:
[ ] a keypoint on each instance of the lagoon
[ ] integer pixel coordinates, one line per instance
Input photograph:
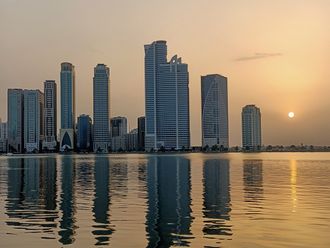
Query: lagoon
(167, 200)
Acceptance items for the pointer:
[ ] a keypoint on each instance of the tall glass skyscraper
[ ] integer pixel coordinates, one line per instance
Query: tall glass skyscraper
(166, 99)
(251, 127)
(33, 120)
(101, 108)
(68, 107)
(214, 111)
(15, 115)
(50, 115)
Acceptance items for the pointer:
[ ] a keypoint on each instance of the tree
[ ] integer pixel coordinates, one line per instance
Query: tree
(162, 149)
(206, 148)
(214, 148)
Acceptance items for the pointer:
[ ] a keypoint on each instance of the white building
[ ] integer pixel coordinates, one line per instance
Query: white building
(166, 99)
(214, 111)
(251, 128)
(33, 120)
(50, 116)
(101, 108)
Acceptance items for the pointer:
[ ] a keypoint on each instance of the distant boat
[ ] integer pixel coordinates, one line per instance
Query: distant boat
(9, 154)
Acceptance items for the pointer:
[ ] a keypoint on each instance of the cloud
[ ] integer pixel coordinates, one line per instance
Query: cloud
(258, 56)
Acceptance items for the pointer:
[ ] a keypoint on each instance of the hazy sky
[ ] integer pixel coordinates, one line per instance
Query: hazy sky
(276, 54)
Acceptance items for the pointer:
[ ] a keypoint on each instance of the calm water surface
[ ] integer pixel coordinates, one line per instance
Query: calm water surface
(193, 200)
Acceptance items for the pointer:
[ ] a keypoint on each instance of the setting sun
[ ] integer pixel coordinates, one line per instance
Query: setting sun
(291, 114)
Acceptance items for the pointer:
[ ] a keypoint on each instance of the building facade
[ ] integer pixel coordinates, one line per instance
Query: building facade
(214, 94)
(166, 99)
(33, 120)
(68, 115)
(141, 133)
(50, 116)
(84, 133)
(118, 126)
(101, 108)
(118, 133)
(15, 122)
(3, 137)
(251, 128)
(132, 140)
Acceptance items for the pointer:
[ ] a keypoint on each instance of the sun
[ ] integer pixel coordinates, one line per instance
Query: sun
(291, 114)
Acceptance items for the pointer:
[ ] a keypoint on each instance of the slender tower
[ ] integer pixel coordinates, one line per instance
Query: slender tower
(101, 108)
(251, 128)
(50, 116)
(214, 111)
(68, 116)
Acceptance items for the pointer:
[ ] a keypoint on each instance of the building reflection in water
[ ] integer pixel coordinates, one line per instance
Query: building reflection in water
(67, 204)
(169, 213)
(31, 199)
(253, 185)
(119, 179)
(217, 199)
(102, 229)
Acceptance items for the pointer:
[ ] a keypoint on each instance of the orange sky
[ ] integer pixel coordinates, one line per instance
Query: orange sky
(276, 54)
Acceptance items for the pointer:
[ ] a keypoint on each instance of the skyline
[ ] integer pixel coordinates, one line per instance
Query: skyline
(266, 68)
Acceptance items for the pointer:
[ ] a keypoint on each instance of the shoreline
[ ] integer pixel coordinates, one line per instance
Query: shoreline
(157, 153)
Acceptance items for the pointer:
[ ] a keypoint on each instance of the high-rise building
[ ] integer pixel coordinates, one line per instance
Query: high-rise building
(132, 140)
(214, 111)
(33, 120)
(50, 116)
(68, 116)
(3, 130)
(118, 133)
(101, 108)
(15, 123)
(118, 126)
(84, 133)
(141, 133)
(3, 136)
(251, 127)
(166, 99)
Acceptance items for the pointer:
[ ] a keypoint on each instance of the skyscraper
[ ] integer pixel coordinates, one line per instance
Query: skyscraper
(251, 127)
(101, 108)
(166, 99)
(15, 120)
(33, 120)
(141, 132)
(214, 111)
(68, 107)
(50, 115)
(84, 133)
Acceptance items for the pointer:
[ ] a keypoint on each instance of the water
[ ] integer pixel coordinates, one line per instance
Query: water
(193, 200)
